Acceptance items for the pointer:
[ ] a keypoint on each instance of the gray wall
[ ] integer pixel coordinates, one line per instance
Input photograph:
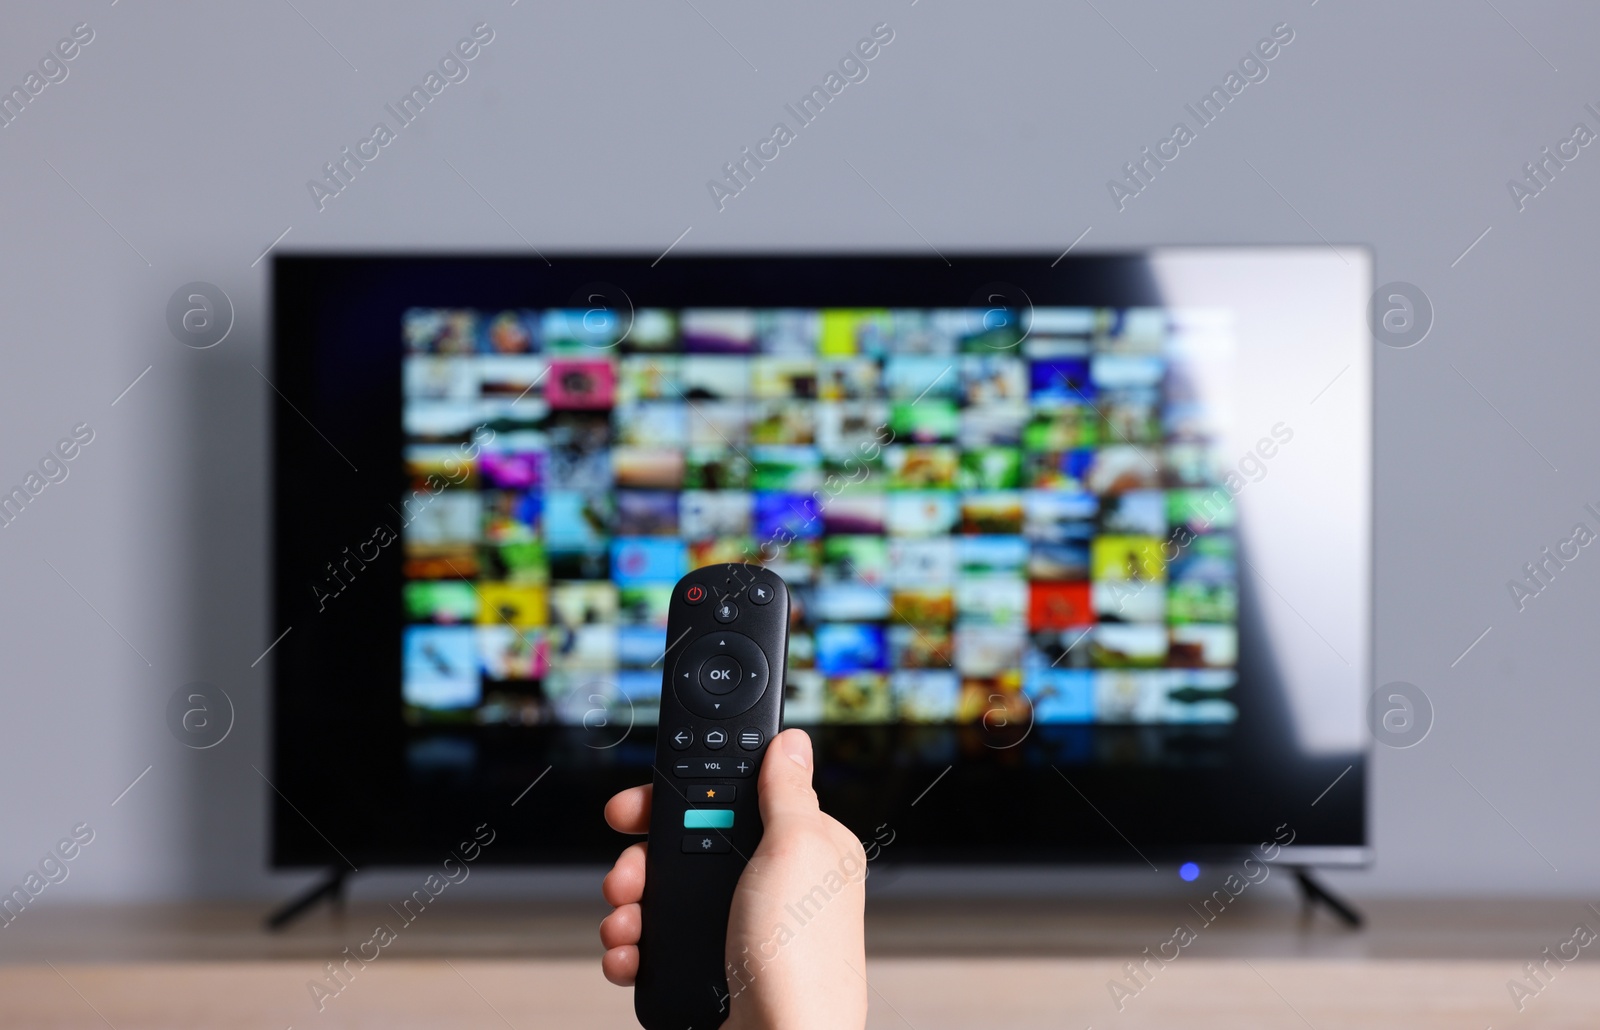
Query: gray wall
(180, 144)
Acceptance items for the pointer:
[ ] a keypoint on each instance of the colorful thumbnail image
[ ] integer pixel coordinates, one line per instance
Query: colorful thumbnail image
(968, 505)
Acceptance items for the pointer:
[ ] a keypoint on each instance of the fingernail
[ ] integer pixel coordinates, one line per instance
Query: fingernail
(796, 747)
(799, 760)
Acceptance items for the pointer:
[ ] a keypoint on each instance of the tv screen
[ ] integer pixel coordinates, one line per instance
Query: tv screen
(967, 505)
(1046, 527)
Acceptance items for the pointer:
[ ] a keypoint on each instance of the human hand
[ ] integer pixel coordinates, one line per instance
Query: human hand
(783, 974)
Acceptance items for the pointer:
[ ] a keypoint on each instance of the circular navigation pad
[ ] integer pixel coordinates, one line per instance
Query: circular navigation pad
(721, 675)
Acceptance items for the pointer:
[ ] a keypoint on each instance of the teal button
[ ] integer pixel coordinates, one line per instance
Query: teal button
(708, 819)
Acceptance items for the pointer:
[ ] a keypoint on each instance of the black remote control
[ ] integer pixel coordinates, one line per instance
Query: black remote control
(721, 703)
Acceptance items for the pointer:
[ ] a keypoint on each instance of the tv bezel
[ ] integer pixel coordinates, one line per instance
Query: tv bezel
(332, 772)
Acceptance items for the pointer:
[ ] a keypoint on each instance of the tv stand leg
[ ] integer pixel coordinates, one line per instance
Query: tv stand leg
(1314, 893)
(332, 888)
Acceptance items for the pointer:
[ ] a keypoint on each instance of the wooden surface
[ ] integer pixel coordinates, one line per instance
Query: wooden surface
(1265, 927)
(924, 994)
(932, 966)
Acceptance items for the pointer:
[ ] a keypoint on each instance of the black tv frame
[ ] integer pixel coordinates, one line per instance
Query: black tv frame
(346, 795)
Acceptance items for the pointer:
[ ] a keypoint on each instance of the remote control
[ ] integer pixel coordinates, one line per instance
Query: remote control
(721, 703)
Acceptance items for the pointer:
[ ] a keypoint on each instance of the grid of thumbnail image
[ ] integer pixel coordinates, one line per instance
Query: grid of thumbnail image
(975, 510)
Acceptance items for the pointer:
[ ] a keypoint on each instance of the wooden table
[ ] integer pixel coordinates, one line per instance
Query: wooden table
(1420, 965)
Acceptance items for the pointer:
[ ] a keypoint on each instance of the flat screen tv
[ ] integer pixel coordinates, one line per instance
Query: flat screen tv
(1079, 547)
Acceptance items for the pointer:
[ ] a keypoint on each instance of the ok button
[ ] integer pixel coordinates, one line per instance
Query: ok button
(720, 674)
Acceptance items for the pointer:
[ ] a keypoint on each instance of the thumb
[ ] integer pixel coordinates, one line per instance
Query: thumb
(784, 789)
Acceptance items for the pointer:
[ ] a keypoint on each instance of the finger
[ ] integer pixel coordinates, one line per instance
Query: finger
(621, 927)
(621, 965)
(629, 811)
(784, 791)
(624, 884)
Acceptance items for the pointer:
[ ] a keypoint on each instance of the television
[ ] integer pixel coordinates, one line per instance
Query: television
(1079, 547)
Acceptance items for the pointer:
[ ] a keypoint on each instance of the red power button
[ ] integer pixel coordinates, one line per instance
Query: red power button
(695, 594)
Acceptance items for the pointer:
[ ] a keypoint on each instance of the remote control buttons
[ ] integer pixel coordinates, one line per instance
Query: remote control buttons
(715, 794)
(760, 593)
(708, 819)
(715, 739)
(694, 594)
(750, 738)
(681, 739)
(702, 693)
(727, 611)
(715, 768)
(709, 844)
(721, 674)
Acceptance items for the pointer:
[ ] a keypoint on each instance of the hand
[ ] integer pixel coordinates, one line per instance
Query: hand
(783, 974)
